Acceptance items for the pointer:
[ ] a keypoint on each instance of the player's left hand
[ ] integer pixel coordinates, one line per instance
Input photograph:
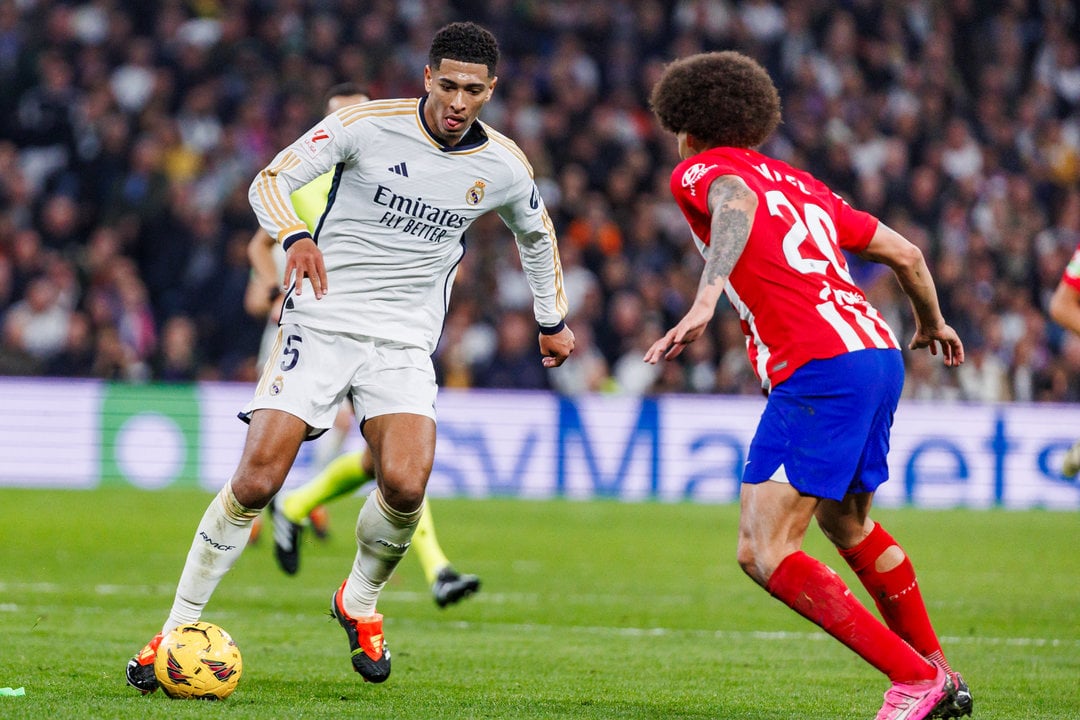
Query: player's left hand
(952, 349)
(556, 348)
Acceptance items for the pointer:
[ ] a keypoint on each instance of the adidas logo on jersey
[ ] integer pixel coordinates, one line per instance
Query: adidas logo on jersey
(399, 169)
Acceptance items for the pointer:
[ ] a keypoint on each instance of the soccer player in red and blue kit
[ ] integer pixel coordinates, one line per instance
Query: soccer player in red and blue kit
(772, 236)
(1065, 311)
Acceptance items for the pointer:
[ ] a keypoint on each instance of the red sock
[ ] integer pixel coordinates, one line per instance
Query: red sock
(817, 593)
(896, 594)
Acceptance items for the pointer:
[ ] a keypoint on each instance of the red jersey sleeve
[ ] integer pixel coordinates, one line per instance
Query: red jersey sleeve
(854, 228)
(690, 183)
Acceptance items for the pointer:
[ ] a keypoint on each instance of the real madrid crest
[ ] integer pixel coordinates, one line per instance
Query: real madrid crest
(277, 386)
(476, 193)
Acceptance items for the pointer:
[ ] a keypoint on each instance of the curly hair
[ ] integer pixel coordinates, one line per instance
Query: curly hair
(720, 98)
(466, 42)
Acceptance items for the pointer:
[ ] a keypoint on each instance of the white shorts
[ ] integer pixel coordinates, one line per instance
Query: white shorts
(310, 372)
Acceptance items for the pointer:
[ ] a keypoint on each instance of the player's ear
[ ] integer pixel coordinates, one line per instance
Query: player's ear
(427, 78)
(491, 87)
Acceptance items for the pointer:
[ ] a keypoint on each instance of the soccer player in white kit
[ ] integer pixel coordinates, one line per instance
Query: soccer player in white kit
(340, 474)
(410, 176)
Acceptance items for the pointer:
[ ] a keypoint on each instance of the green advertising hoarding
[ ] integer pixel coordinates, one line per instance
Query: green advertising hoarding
(150, 435)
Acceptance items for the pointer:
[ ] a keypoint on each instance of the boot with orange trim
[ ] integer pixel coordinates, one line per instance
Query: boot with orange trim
(140, 669)
(370, 654)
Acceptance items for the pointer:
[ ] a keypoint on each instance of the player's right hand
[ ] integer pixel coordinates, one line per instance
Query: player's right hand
(304, 259)
(675, 340)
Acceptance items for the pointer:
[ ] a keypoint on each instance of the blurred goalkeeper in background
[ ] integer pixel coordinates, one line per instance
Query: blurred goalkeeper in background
(409, 178)
(340, 474)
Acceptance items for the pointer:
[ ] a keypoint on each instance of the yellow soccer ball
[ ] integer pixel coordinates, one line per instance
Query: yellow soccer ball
(198, 660)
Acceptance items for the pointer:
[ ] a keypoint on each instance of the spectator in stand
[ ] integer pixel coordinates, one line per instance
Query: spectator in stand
(177, 358)
(76, 356)
(37, 325)
(513, 364)
(584, 372)
(149, 128)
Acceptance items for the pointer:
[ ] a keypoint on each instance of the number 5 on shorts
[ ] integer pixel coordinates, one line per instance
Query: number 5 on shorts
(291, 351)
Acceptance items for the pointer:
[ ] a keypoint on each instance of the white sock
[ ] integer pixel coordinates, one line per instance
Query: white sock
(219, 540)
(382, 537)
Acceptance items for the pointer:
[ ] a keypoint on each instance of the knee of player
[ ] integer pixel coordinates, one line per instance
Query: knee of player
(751, 561)
(404, 472)
(253, 490)
(403, 494)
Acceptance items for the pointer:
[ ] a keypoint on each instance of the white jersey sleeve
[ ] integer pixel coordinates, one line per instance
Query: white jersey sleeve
(315, 153)
(524, 213)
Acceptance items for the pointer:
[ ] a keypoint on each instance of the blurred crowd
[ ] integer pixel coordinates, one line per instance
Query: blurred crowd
(133, 129)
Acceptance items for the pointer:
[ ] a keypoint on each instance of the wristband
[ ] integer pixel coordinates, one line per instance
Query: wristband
(289, 241)
(554, 329)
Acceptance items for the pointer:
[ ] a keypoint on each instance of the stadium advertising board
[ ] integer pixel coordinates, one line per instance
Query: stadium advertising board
(83, 434)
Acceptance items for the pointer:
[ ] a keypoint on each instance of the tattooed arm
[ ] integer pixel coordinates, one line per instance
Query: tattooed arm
(732, 206)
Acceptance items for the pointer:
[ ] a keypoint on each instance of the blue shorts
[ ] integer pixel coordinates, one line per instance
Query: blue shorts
(826, 428)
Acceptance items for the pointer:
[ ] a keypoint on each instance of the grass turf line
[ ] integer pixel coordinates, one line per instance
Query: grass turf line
(588, 610)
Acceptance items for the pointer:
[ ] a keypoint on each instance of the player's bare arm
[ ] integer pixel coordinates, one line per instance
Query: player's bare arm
(264, 285)
(260, 255)
(732, 206)
(908, 264)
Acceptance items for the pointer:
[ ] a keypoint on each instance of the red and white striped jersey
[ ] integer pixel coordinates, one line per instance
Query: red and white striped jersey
(791, 286)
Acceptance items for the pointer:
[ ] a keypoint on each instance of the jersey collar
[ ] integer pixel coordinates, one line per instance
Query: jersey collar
(474, 137)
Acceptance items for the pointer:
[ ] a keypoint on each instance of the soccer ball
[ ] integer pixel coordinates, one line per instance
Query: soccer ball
(198, 660)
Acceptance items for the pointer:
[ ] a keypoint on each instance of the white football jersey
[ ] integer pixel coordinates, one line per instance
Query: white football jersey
(399, 204)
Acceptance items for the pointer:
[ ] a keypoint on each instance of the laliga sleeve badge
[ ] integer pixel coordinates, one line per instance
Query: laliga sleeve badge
(476, 193)
(319, 138)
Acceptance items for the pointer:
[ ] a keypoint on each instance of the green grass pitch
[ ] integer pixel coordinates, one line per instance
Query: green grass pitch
(588, 610)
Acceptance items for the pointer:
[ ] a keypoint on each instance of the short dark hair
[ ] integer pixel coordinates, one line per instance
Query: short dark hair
(466, 42)
(344, 90)
(721, 98)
